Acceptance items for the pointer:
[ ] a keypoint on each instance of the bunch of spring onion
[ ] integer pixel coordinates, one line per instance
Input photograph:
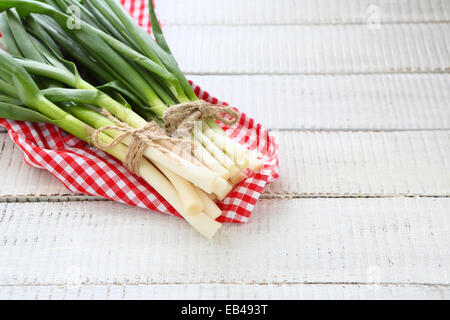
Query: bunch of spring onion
(65, 70)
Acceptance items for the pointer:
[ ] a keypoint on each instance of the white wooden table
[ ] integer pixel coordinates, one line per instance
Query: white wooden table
(362, 208)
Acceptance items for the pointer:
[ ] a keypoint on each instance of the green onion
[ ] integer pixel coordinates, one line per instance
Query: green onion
(119, 67)
(39, 109)
(9, 100)
(18, 113)
(8, 40)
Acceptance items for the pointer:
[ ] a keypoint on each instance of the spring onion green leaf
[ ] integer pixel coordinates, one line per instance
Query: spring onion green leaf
(156, 28)
(7, 37)
(86, 96)
(18, 113)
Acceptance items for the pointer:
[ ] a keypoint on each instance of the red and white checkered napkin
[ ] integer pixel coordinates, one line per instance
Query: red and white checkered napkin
(87, 170)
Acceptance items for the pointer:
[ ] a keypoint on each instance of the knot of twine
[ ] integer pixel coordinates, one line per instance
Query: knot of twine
(182, 117)
(141, 138)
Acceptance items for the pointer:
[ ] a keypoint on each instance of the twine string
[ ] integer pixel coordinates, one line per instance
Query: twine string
(182, 117)
(147, 136)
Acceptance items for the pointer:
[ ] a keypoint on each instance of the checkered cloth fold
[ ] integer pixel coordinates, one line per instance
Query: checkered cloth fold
(87, 170)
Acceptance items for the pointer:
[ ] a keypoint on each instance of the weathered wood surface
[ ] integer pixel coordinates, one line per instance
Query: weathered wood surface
(325, 241)
(326, 164)
(227, 291)
(361, 207)
(338, 102)
(281, 12)
(324, 49)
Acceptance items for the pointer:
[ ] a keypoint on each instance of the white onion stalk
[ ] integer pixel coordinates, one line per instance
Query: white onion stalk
(210, 207)
(255, 163)
(200, 221)
(192, 203)
(202, 177)
(247, 159)
(207, 159)
(231, 150)
(222, 188)
(197, 155)
(242, 156)
(212, 148)
(182, 151)
(204, 224)
(237, 178)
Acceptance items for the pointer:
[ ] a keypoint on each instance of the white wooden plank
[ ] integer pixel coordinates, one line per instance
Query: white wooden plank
(311, 49)
(313, 164)
(331, 241)
(363, 163)
(300, 11)
(20, 181)
(377, 101)
(224, 292)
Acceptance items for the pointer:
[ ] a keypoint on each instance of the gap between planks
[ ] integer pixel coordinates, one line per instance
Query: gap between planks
(264, 196)
(287, 283)
(225, 291)
(400, 71)
(333, 130)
